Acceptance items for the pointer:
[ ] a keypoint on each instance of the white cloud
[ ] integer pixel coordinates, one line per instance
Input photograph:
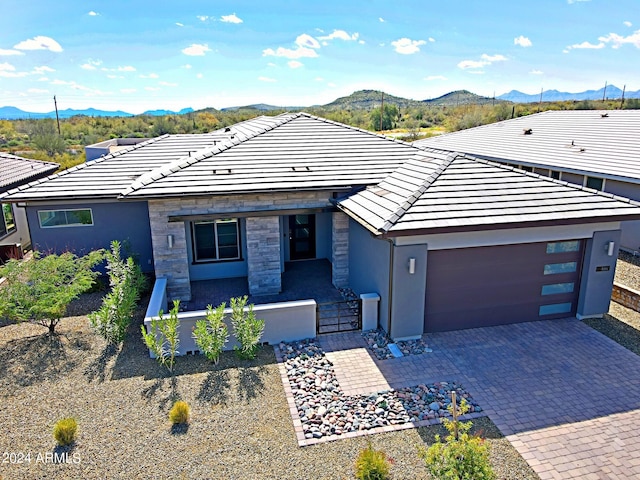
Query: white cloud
(128, 90)
(493, 58)
(299, 52)
(6, 67)
(294, 64)
(196, 49)
(406, 46)
(202, 18)
(38, 90)
(266, 79)
(618, 40)
(570, 2)
(307, 41)
(319, 79)
(126, 68)
(187, 66)
(230, 18)
(381, 19)
(91, 64)
(199, 75)
(467, 64)
(431, 78)
(627, 23)
(39, 43)
(42, 70)
(93, 14)
(536, 72)
(522, 41)
(271, 64)
(168, 84)
(9, 71)
(586, 45)
(8, 52)
(432, 40)
(152, 89)
(152, 75)
(180, 24)
(340, 35)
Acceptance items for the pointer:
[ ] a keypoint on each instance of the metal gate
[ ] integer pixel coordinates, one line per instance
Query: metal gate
(341, 316)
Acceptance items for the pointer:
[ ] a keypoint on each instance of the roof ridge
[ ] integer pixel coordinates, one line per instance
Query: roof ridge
(183, 162)
(575, 186)
(11, 156)
(413, 198)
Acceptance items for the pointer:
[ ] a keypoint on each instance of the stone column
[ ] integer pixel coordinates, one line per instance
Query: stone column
(339, 249)
(263, 255)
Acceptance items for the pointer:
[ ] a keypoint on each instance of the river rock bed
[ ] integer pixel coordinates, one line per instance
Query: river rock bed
(324, 410)
(377, 341)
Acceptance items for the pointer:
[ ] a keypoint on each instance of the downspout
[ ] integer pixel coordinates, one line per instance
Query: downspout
(390, 302)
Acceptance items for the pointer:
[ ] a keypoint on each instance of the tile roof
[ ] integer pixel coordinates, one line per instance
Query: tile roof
(605, 143)
(459, 192)
(16, 170)
(109, 176)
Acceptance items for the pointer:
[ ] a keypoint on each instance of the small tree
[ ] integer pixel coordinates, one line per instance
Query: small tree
(163, 339)
(39, 290)
(126, 281)
(211, 334)
(372, 464)
(246, 327)
(462, 456)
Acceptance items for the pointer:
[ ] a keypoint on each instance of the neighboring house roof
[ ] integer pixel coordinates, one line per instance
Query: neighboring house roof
(16, 170)
(586, 142)
(109, 176)
(460, 193)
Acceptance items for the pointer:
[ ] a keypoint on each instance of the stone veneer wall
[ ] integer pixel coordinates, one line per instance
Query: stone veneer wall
(263, 255)
(173, 263)
(626, 296)
(339, 249)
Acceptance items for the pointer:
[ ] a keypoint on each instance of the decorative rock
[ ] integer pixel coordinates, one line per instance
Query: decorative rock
(435, 406)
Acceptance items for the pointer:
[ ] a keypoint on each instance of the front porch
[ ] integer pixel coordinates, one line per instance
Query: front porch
(301, 280)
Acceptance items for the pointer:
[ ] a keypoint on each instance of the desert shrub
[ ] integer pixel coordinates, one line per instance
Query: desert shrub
(118, 306)
(246, 327)
(163, 339)
(179, 413)
(65, 430)
(372, 464)
(211, 334)
(463, 458)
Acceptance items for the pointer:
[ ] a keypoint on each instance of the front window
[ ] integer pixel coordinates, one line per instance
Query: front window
(7, 222)
(65, 218)
(216, 240)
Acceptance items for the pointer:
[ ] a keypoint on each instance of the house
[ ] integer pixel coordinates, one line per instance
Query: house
(448, 240)
(14, 229)
(598, 149)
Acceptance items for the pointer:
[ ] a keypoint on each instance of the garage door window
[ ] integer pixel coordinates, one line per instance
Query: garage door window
(555, 308)
(556, 268)
(557, 288)
(562, 247)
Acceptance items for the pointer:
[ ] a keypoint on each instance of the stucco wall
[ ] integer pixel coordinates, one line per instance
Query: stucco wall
(369, 267)
(407, 310)
(127, 222)
(21, 234)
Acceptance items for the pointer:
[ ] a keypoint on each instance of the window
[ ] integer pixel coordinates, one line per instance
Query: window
(557, 288)
(561, 247)
(554, 308)
(595, 183)
(555, 268)
(65, 218)
(554, 174)
(216, 240)
(7, 222)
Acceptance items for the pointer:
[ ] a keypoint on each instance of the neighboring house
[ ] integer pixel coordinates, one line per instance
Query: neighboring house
(102, 149)
(16, 171)
(447, 240)
(599, 149)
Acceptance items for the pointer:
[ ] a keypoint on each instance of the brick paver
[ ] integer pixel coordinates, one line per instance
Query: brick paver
(566, 397)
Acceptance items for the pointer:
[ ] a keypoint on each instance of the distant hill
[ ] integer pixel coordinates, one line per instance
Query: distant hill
(261, 107)
(612, 93)
(13, 113)
(368, 99)
(460, 97)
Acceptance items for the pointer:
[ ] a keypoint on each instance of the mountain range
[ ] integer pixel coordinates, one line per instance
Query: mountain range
(360, 100)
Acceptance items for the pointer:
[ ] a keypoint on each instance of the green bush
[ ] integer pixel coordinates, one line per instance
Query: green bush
(127, 282)
(179, 413)
(211, 334)
(163, 339)
(65, 430)
(246, 328)
(464, 458)
(372, 464)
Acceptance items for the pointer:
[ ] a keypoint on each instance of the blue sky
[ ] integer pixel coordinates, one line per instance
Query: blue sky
(140, 55)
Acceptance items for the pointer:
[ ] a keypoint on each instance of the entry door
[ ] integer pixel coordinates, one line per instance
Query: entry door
(302, 236)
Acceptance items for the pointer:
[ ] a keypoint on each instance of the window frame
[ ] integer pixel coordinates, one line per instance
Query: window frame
(194, 244)
(65, 210)
(588, 177)
(8, 231)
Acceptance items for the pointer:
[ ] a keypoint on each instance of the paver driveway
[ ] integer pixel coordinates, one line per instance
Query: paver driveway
(567, 397)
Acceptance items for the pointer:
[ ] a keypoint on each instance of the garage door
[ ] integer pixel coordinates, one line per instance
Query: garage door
(484, 286)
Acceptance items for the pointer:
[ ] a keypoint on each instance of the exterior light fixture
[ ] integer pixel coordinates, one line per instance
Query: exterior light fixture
(170, 241)
(609, 247)
(412, 265)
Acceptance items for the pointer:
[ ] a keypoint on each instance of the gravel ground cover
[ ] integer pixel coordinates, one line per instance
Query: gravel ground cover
(378, 341)
(628, 270)
(240, 428)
